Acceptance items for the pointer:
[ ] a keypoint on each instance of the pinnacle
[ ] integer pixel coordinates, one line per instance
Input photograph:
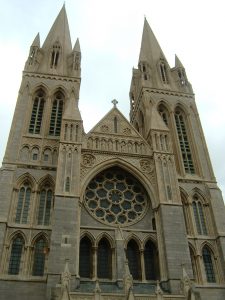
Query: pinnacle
(36, 41)
(76, 47)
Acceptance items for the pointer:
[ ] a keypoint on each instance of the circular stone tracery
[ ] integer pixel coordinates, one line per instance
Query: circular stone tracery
(116, 197)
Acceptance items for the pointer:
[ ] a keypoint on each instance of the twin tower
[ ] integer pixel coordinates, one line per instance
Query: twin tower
(129, 210)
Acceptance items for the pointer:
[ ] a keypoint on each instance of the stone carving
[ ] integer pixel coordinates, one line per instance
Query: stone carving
(127, 131)
(146, 166)
(88, 160)
(104, 128)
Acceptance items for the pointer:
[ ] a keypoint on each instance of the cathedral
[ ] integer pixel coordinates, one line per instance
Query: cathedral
(128, 211)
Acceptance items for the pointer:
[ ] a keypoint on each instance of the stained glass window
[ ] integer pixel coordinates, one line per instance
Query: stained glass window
(208, 263)
(23, 204)
(150, 257)
(133, 257)
(45, 205)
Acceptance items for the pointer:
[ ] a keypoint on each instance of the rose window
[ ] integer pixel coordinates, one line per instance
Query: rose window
(116, 197)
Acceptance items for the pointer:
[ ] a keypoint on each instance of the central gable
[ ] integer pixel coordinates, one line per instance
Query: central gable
(115, 133)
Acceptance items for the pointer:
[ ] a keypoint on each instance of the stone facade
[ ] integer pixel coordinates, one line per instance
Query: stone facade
(130, 210)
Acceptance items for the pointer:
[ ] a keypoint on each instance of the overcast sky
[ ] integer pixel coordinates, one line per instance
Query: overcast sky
(110, 37)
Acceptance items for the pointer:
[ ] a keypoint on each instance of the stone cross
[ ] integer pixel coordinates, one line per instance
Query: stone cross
(114, 102)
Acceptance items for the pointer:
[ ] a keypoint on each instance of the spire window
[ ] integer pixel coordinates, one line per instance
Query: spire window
(39, 257)
(56, 115)
(37, 112)
(23, 204)
(184, 142)
(55, 55)
(163, 71)
(45, 205)
(15, 256)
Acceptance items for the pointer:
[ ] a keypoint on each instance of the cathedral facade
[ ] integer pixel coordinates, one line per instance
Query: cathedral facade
(131, 209)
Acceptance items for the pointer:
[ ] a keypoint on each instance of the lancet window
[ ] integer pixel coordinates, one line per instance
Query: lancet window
(104, 259)
(40, 251)
(15, 255)
(184, 141)
(37, 112)
(45, 205)
(86, 258)
(199, 216)
(23, 204)
(56, 115)
(163, 71)
(208, 264)
(133, 256)
(151, 261)
(55, 55)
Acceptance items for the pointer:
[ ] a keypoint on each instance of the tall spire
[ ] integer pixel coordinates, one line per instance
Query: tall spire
(150, 48)
(59, 32)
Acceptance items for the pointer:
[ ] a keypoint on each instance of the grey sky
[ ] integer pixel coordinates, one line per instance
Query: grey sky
(110, 36)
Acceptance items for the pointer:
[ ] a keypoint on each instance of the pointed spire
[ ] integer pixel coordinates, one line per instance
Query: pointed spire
(76, 47)
(150, 48)
(36, 42)
(60, 33)
(178, 63)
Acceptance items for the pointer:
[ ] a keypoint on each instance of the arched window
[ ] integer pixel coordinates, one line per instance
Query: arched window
(151, 261)
(45, 205)
(37, 112)
(56, 115)
(35, 153)
(23, 204)
(15, 256)
(104, 264)
(133, 256)
(163, 71)
(86, 260)
(199, 215)
(164, 114)
(208, 263)
(55, 55)
(184, 142)
(40, 248)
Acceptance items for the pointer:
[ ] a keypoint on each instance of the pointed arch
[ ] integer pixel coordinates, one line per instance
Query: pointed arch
(56, 114)
(86, 258)
(46, 196)
(105, 235)
(133, 257)
(183, 138)
(151, 260)
(209, 264)
(104, 259)
(37, 111)
(55, 55)
(26, 177)
(199, 214)
(40, 251)
(23, 196)
(17, 248)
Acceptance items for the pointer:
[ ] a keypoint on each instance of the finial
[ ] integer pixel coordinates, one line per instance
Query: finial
(114, 102)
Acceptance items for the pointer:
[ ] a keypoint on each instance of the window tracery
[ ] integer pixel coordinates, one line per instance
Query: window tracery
(208, 264)
(15, 256)
(45, 205)
(40, 249)
(55, 55)
(199, 215)
(23, 204)
(184, 141)
(56, 114)
(115, 197)
(37, 112)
